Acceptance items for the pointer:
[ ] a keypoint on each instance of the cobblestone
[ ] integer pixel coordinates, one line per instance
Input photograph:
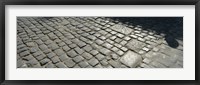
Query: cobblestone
(63, 57)
(96, 42)
(83, 64)
(87, 55)
(61, 65)
(69, 63)
(77, 59)
(93, 62)
(72, 53)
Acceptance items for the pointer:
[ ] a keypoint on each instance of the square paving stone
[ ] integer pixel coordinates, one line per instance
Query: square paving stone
(97, 34)
(114, 63)
(98, 66)
(59, 52)
(120, 52)
(131, 59)
(118, 40)
(87, 55)
(99, 42)
(123, 42)
(44, 61)
(25, 53)
(81, 44)
(134, 36)
(69, 63)
(122, 29)
(124, 48)
(48, 42)
(75, 40)
(120, 35)
(105, 51)
(61, 44)
(107, 45)
(61, 65)
(78, 59)
(72, 45)
(50, 65)
(40, 57)
(63, 57)
(108, 35)
(37, 66)
(100, 57)
(33, 62)
(113, 32)
(44, 38)
(109, 41)
(141, 39)
(43, 47)
(114, 56)
(113, 37)
(20, 46)
(118, 45)
(66, 48)
(127, 38)
(78, 50)
(147, 61)
(88, 48)
(135, 45)
(103, 32)
(91, 37)
(39, 42)
(29, 57)
(102, 37)
(55, 59)
(115, 49)
(68, 42)
(104, 62)
(93, 61)
(72, 53)
(83, 64)
(94, 52)
(50, 55)
(30, 44)
(53, 46)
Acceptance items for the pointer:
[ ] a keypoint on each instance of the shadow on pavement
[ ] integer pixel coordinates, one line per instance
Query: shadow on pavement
(172, 27)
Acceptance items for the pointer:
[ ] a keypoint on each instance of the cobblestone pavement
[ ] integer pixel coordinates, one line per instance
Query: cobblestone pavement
(92, 42)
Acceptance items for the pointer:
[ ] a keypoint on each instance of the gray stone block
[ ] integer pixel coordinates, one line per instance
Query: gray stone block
(131, 59)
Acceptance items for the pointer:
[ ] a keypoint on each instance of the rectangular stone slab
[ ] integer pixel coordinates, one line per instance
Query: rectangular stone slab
(135, 45)
(131, 59)
(122, 29)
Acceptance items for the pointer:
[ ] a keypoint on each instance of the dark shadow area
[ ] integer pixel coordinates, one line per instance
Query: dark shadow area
(172, 27)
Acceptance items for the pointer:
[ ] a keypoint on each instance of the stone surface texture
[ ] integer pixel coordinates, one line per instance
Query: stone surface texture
(94, 42)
